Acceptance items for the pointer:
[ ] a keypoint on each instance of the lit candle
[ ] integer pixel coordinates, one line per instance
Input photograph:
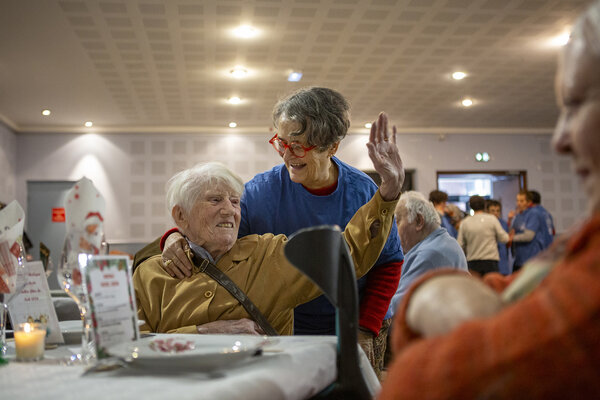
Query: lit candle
(29, 341)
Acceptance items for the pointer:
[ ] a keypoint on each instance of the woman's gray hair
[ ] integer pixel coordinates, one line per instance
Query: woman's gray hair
(185, 187)
(323, 114)
(587, 28)
(415, 203)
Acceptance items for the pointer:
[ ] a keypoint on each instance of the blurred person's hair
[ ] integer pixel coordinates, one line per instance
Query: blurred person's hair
(536, 198)
(477, 203)
(492, 203)
(437, 197)
(526, 193)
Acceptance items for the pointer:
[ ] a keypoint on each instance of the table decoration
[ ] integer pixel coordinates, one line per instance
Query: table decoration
(12, 219)
(111, 300)
(84, 216)
(33, 303)
(29, 341)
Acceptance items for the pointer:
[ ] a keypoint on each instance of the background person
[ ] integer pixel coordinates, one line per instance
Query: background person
(526, 228)
(494, 207)
(547, 230)
(479, 235)
(426, 244)
(544, 345)
(440, 202)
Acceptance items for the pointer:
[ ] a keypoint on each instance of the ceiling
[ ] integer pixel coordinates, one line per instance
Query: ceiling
(163, 66)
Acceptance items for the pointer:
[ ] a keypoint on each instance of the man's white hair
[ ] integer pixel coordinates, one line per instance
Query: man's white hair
(587, 27)
(415, 203)
(185, 187)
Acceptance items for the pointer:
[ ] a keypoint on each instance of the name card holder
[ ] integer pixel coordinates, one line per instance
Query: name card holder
(109, 289)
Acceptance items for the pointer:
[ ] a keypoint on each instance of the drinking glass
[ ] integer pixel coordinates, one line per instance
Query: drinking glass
(70, 279)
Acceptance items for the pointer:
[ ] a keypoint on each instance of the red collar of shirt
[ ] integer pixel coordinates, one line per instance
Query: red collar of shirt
(324, 191)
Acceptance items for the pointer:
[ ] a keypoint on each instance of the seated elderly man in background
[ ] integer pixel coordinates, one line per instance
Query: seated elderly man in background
(454, 338)
(205, 205)
(427, 246)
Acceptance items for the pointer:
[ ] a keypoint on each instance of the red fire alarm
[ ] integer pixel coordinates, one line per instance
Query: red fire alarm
(58, 215)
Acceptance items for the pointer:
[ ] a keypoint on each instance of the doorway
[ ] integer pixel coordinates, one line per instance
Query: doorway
(45, 220)
(499, 185)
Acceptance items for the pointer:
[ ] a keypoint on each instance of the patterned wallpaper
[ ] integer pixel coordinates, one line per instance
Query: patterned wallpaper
(131, 169)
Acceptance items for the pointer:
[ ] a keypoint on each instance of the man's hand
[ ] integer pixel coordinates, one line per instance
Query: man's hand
(386, 158)
(444, 302)
(236, 326)
(174, 257)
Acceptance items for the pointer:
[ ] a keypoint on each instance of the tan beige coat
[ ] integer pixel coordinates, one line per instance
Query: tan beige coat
(256, 263)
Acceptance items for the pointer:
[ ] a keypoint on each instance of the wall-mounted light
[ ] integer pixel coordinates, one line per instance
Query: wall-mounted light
(482, 157)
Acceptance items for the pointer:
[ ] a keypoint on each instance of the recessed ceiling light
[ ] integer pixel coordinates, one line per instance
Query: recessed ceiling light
(458, 75)
(467, 102)
(89, 124)
(232, 124)
(239, 72)
(368, 125)
(46, 112)
(245, 31)
(294, 76)
(234, 100)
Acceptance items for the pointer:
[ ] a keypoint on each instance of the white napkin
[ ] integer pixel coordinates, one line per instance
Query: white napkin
(12, 219)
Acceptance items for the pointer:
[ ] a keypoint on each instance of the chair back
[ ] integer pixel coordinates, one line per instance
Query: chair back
(322, 254)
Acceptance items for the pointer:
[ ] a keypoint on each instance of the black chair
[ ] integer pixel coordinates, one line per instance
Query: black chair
(322, 254)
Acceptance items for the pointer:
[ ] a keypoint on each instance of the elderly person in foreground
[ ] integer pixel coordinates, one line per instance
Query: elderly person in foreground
(541, 342)
(428, 246)
(205, 205)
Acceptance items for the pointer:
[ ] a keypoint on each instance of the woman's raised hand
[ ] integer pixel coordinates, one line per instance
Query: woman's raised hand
(386, 158)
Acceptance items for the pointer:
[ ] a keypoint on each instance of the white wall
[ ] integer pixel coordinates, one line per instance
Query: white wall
(130, 170)
(8, 163)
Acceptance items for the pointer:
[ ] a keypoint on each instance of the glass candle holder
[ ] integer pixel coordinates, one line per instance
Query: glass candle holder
(29, 341)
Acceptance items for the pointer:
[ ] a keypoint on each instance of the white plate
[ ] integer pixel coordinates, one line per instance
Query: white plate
(197, 352)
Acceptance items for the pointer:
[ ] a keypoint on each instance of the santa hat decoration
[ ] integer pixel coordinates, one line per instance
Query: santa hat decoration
(84, 217)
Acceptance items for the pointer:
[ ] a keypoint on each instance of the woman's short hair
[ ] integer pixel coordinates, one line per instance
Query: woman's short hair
(185, 187)
(415, 203)
(323, 115)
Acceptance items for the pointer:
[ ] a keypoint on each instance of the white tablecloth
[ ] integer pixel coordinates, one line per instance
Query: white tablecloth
(296, 367)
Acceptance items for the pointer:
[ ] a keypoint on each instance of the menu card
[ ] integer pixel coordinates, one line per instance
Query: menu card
(34, 303)
(109, 290)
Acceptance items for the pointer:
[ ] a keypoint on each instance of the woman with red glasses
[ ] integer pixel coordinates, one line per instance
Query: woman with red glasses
(313, 187)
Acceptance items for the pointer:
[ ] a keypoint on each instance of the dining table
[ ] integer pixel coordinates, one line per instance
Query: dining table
(281, 367)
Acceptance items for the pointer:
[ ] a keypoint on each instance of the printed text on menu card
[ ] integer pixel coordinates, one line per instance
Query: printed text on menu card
(108, 286)
(34, 304)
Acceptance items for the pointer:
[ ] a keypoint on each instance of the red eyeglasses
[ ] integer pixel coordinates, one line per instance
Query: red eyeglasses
(296, 148)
